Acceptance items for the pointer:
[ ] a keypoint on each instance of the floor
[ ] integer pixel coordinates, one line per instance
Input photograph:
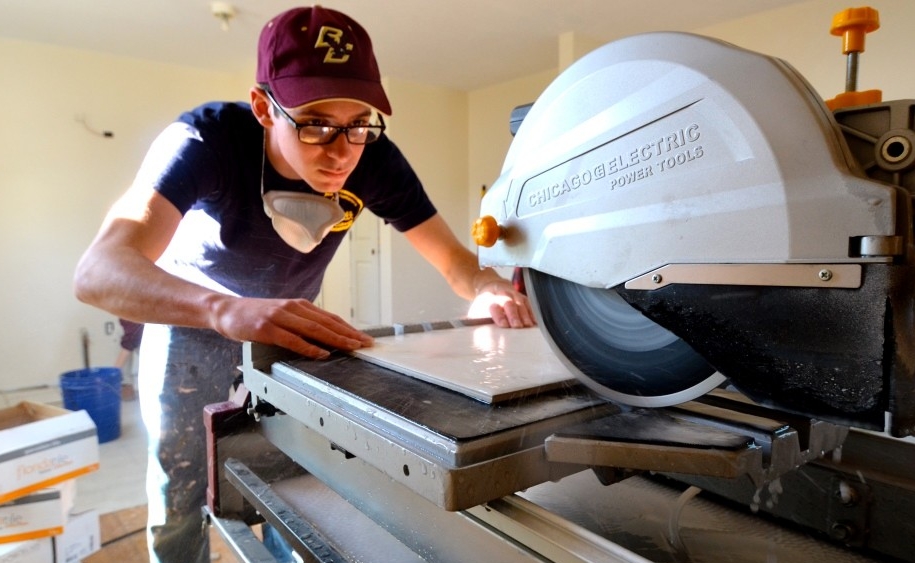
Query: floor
(120, 481)
(117, 492)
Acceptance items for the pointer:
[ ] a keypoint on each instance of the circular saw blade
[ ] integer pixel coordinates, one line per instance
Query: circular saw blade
(614, 349)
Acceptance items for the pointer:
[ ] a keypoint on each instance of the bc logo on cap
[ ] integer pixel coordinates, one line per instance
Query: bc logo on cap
(332, 39)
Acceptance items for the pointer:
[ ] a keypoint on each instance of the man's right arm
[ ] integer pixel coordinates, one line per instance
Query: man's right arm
(118, 273)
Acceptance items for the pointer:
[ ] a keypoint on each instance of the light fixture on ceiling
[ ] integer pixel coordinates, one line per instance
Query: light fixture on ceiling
(224, 12)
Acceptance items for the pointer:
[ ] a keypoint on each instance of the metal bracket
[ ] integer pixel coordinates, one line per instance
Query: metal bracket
(718, 435)
(778, 275)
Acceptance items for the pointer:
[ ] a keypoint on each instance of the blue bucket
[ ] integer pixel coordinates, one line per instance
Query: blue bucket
(98, 392)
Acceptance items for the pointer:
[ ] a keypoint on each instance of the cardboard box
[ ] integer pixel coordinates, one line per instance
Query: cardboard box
(33, 516)
(36, 515)
(32, 551)
(42, 445)
(81, 538)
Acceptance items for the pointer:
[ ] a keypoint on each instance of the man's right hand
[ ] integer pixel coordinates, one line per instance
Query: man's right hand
(295, 324)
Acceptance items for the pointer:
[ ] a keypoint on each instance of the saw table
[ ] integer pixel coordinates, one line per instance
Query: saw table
(352, 461)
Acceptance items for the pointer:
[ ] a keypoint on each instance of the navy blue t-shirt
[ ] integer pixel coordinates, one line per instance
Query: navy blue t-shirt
(210, 169)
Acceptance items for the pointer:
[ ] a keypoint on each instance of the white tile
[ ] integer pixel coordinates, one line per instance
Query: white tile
(488, 363)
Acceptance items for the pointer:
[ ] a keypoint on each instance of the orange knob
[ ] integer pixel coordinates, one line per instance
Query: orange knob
(486, 231)
(853, 24)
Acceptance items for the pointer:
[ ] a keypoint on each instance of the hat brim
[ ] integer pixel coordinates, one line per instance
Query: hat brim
(297, 91)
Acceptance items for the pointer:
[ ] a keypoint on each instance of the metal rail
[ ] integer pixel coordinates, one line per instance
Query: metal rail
(302, 536)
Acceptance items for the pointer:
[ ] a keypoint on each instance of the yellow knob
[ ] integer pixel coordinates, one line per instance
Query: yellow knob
(853, 24)
(486, 231)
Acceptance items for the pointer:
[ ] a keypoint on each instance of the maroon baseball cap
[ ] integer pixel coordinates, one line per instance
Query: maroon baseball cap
(310, 54)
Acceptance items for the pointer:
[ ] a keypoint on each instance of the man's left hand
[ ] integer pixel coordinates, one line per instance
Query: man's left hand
(507, 307)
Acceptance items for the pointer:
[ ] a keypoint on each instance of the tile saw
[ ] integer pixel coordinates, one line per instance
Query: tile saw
(721, 260)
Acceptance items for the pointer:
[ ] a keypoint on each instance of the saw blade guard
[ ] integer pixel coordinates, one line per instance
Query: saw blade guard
(672, 149)
(675, 148)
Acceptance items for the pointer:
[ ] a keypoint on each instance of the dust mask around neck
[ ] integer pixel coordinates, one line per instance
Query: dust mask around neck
(301, 219)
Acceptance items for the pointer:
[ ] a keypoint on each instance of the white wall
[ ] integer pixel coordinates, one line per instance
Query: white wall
(430, 127)
(800, 35)
(57, 181)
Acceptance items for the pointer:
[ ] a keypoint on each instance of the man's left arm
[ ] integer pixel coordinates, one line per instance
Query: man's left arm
(435, 241)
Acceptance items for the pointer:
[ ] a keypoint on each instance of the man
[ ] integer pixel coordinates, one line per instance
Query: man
(225, 234)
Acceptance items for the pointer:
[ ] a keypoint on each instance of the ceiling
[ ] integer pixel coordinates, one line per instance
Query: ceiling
(461, 44)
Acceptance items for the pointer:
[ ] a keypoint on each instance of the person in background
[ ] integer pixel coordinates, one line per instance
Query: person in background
(131, 334)
(226, 231)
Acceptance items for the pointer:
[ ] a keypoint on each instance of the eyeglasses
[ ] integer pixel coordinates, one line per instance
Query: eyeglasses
(325, 134)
